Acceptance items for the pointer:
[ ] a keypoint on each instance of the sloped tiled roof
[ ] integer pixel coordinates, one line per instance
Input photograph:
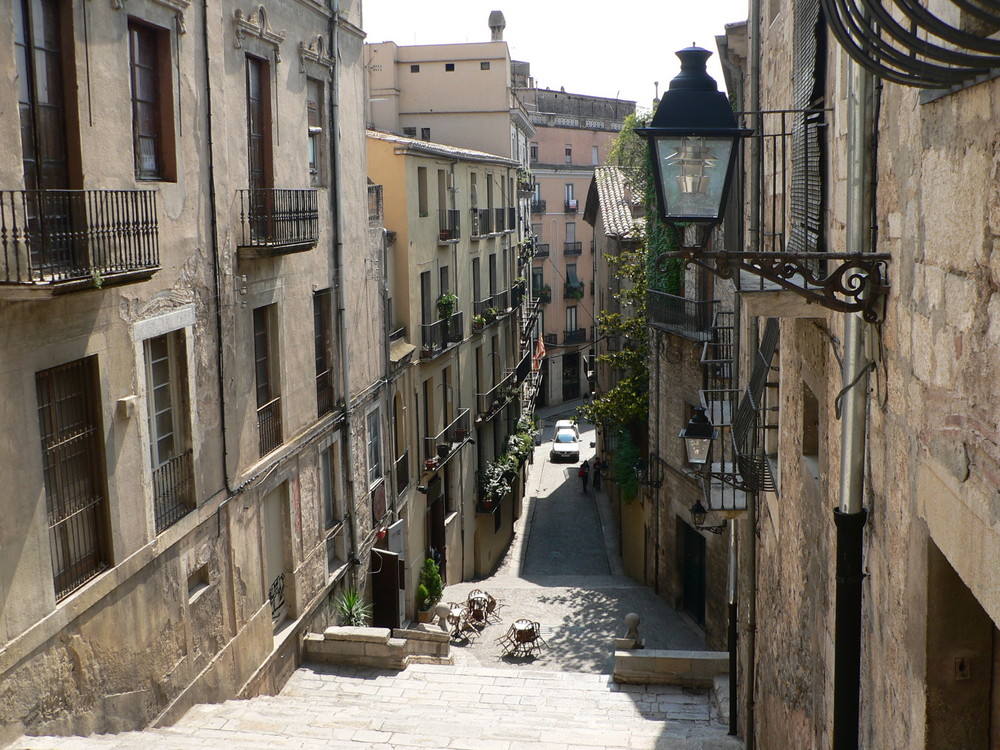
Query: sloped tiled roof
(441, 149)
(616, 204)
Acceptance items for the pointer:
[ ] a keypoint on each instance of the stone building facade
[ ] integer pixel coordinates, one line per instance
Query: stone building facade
(461, 365)
(189, 465)
(917, 182)
(573, 133)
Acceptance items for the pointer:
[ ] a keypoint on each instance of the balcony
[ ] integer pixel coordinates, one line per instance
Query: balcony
(544, 294)
(54, 241)
(449, 226)
(542, 250)
(491, 402)
(570, 206)
(277, 222)
(487, 309)
(441, 334)
(538, 207)
(511, 219)
(572, 248)
(445, 442)
(551, 339)
(500, 220)
(269, 426)
(577, 336)
(573, 291)
(173, 490)
(480, 222)
(685, 317)
(402, 469)
(502, 301)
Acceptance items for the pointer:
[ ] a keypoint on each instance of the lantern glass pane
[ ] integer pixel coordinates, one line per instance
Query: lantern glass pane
(693, 175)
(697, 449)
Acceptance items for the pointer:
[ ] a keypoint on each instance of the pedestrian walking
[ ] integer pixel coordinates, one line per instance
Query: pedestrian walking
(584, 473)
(597, 473)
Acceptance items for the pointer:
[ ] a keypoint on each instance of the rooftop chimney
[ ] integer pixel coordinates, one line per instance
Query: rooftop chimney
(497, 25)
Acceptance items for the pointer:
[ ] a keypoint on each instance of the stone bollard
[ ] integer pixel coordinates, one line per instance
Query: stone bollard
(632, 638)
(442, 611)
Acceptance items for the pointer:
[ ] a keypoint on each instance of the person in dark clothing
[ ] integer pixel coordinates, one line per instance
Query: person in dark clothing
(597, 473)
(584, 473)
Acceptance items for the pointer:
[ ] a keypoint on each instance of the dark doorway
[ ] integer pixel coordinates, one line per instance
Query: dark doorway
(435, 531)
(571, 376)
(387, 578)
(694, 573)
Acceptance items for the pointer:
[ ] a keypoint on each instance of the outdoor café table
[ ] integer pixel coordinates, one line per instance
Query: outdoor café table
(476, 606)
(456, 618)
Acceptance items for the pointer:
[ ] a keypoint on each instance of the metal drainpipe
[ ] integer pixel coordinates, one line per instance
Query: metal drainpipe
(850, 516)
(336, 205)
(750, 527)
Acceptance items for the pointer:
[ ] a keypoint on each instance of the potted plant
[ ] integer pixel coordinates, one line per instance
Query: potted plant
(446, 305)
(478, 322)
(430, 464)
(491, 314)
(429, 589)
(352, 609)
(443, 450)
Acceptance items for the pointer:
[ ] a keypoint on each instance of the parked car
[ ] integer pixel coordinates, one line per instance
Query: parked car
(565, 442)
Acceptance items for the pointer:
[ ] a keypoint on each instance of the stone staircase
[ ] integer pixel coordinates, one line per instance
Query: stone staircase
(432, 706)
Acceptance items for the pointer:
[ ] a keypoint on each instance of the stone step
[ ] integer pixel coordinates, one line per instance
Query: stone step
(437, 706)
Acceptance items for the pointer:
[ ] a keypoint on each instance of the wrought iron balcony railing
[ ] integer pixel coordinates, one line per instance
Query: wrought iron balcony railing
(575, 337)
(542, 250)
(276, 222)
(500, 220)
(573, 291)
(479, 222)
(449, 225)
(437, 336)
(690, 318)
(173, 490)
(544, 295)
(572, 248)
(495, 398)
(502, 301)
(570, 207)
(511, 219)
(451, 436)
(90, 237)
(269, 426)
(551, 339)
(538, 207)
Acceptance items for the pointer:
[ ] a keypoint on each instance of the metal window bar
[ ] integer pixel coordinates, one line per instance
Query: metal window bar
(789, 215)
(173, 490)
(73, 473)
(538, 207)
(691, 318)
(753, 465)
(269, 426)
(272, 217)
(50, 236)
(502, 301)
(480, 307)
(511, 219)
(572, 248)
(485, 225)
(575, 336)
(542, 250)
(324, 392)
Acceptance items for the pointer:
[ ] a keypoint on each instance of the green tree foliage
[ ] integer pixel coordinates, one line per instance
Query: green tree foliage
(623, 466)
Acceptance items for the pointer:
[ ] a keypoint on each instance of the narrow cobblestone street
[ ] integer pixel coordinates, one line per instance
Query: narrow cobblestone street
(563, 571)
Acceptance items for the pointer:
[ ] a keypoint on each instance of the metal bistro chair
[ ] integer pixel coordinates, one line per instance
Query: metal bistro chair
(523, 638)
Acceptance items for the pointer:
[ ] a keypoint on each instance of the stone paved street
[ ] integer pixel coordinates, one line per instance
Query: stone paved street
(562, 570)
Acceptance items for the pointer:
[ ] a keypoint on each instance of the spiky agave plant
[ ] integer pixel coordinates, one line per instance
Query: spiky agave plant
(352, 609)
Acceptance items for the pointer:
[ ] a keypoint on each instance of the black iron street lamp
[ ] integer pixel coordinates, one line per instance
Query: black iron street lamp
(694, 144)
(698, 435)
(698, 516)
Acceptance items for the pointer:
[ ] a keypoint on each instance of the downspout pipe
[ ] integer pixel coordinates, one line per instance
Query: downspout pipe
(336, 206)
(850, 515)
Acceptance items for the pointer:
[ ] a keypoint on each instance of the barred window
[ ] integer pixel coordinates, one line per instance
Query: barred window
(73, 466)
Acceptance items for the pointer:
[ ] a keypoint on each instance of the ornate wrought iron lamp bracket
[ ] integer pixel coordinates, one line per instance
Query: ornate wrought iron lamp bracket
(858, 284)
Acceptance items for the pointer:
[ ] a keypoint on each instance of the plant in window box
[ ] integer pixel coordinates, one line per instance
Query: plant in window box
(478, 322)
(495, 482)
(446, 305)
(491, 315)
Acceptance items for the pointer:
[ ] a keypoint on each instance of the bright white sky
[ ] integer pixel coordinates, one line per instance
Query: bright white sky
(608, 48)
